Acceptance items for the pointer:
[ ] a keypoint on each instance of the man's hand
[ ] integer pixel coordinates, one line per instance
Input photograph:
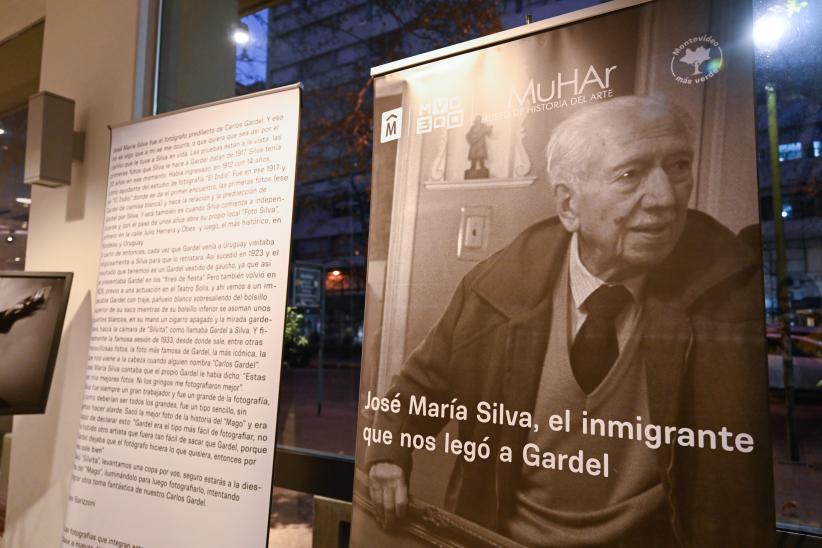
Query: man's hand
(389, 492)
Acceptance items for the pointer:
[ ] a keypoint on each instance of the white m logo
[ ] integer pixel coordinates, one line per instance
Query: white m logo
(391, 127)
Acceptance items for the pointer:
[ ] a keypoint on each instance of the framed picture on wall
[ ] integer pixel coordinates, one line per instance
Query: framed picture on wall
(32, 310)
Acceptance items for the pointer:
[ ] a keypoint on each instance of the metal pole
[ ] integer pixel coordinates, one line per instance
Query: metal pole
(320, 364)
(782, 285)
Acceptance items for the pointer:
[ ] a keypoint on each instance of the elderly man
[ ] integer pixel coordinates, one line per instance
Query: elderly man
(627, 306)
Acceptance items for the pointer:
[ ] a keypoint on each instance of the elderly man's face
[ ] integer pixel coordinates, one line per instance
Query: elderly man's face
(631, 207)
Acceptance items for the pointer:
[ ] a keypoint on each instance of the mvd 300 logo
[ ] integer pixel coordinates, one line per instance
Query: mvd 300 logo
(696, 60)
(442, 112)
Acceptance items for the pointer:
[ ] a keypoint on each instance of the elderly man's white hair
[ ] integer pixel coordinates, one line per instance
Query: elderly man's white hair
(569, 150)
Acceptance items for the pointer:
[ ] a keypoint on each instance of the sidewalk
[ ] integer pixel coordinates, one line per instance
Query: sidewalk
(798, 486)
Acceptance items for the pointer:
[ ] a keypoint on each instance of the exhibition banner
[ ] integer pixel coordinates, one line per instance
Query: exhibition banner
(177, 427)
(564, 332)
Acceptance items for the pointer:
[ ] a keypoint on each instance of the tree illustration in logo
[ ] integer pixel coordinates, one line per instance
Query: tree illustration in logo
(696, 57)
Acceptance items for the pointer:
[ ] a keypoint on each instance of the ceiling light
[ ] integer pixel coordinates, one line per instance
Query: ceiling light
(23, 200)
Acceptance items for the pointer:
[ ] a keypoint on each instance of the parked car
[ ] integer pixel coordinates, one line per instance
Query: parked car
(807, 362)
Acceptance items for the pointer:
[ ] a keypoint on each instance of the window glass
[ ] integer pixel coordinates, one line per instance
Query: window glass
(15, 196)
(210, 52)
(329, 47)
(788, 69)
(790, 151)
(292, 513)
(20, 58)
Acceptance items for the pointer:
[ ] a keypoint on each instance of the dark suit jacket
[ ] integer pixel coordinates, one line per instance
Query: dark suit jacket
(703, 345)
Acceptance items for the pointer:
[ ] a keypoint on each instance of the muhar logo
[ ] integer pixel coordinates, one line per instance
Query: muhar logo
(562, 87)
(696, 60)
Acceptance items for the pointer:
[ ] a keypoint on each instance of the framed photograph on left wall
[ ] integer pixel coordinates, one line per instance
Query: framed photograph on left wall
(32, 310)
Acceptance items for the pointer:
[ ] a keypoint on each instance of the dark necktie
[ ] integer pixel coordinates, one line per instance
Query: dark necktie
(595, 348)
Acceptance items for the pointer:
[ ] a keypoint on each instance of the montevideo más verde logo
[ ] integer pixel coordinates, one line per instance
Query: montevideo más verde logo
(696, 60)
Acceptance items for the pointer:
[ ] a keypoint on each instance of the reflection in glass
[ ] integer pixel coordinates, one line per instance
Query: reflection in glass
(291, 520)
(788, 70)
(15, 196)
(330, 49)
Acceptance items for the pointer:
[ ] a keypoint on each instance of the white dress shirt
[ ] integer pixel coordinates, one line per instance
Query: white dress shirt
(583, 283)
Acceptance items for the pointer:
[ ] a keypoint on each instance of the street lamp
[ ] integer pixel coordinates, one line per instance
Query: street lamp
(767, 33)
(241, 34)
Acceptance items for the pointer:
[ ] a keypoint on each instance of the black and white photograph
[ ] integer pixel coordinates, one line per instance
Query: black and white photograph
(32, 309)
(564, 319)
